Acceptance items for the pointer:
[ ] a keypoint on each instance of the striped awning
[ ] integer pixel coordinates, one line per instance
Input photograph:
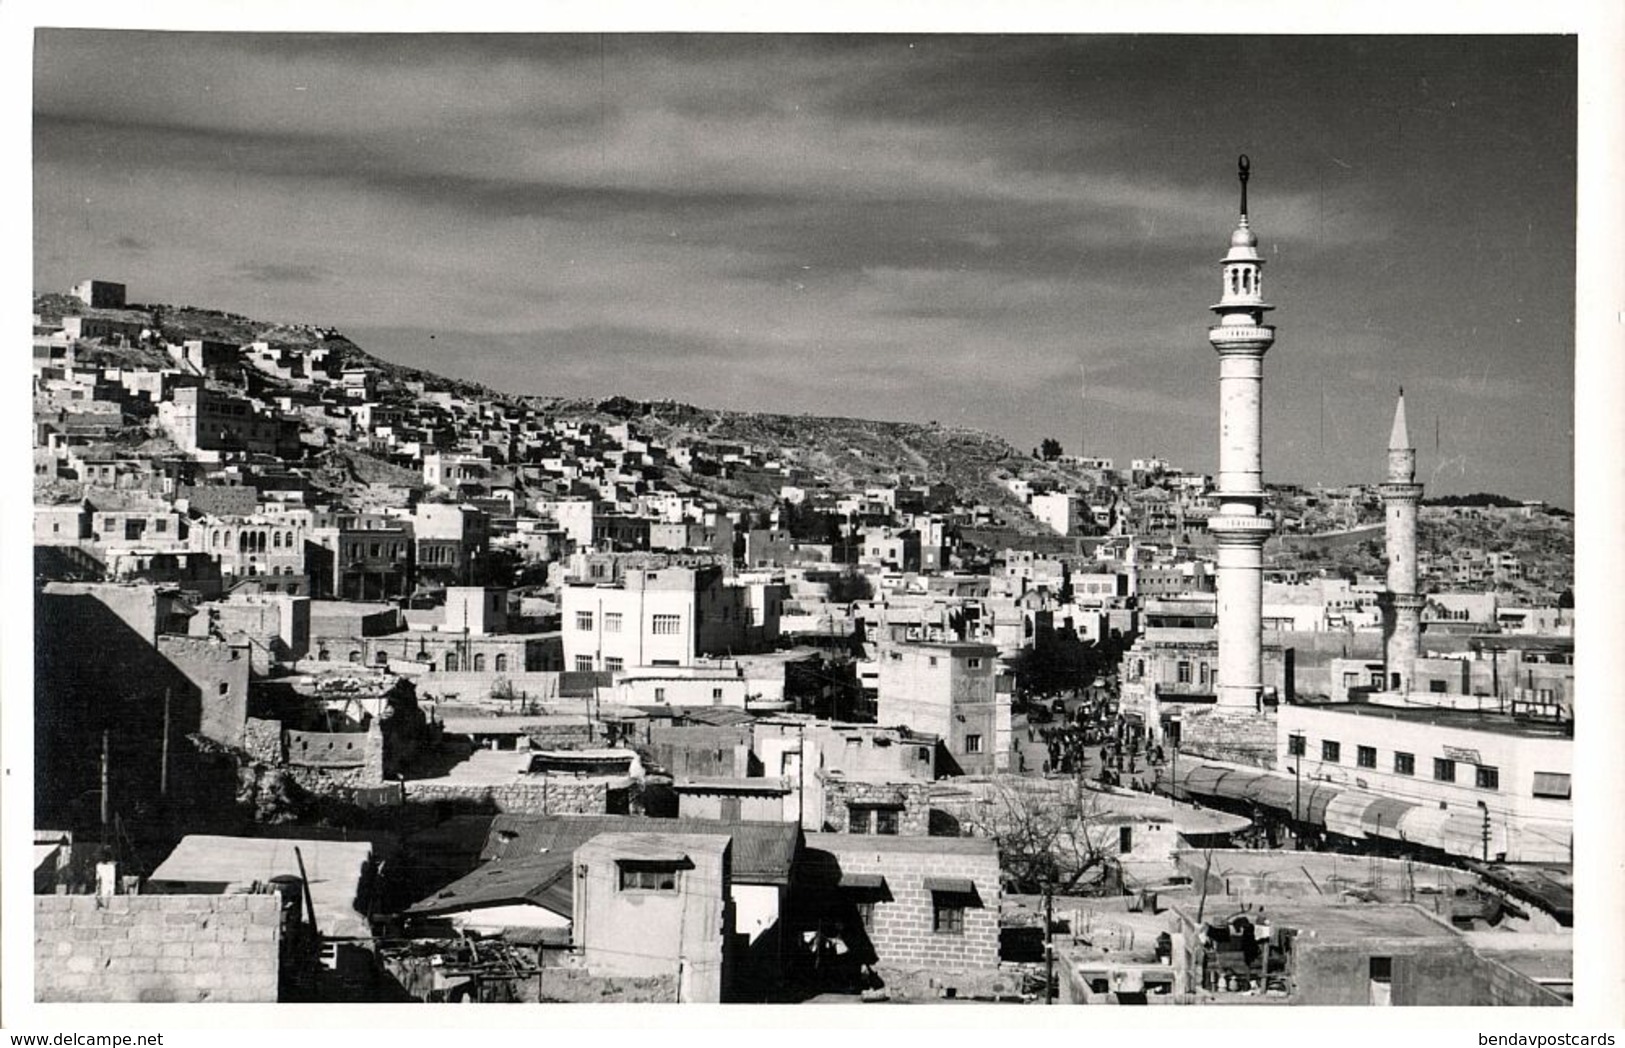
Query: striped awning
(1383, 816)
(1204, 779)
(1316, 799)
(1346, 813)
(1424, 826)
(1275, 791)
(1464, 834)
(1235, 785)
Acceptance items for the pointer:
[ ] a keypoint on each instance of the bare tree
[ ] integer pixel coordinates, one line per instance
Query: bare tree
(1048, 832)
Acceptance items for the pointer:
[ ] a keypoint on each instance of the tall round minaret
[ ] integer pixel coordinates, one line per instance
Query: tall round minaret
(1401, 604)
(1239, 526)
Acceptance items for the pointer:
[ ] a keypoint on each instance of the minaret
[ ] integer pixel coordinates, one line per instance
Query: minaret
(1240, 527)
(1401, 604)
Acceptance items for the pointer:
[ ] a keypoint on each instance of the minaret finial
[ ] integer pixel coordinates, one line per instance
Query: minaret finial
(1243, 166)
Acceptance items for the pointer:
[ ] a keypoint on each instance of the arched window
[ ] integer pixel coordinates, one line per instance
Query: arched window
(355, 656)
(242, 542)
(502, 663)
(479, 663)
(381, 659)
(451, 662)
(276, 539)
(322, 654)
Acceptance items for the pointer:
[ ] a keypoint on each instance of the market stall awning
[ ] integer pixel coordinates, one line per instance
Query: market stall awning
(1346, 812)
(1424, 826)
(1382, 817)
(1203, 779)
(1235, 786)
(1275, 791)
(1316, 799)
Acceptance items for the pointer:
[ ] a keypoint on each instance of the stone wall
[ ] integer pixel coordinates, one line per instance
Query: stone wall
(913, 817)
(327, 749)
(578, 986)
(520, 798)
(164, 948)
(262, 739)
(1242, 737)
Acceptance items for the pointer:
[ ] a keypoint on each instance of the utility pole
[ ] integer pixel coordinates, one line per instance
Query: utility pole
(1049, 944)
(163, 767)
(1297, 799)
(105, 800)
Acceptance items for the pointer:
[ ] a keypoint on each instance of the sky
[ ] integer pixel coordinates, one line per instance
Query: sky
(1017, 233)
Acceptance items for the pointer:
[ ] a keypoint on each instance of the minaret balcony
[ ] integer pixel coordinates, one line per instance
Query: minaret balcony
(1241, 333)
(1238, 524)
(1400, 491)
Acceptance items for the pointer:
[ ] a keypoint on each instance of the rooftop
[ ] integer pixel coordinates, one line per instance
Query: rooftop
(1466, 720)
(335, 870)
(1338, 922)
(848, 842)
(763, 851)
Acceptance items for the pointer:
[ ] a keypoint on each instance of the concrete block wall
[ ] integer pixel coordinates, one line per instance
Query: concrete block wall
(160, 948)
(902, 928)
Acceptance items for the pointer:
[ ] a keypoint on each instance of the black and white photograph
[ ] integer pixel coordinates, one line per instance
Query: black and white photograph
(1038, 517)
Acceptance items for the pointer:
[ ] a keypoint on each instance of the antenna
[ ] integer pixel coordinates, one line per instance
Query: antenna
(1243, 169)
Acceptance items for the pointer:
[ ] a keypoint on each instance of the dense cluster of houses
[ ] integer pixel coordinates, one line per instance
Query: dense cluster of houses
(521, 708)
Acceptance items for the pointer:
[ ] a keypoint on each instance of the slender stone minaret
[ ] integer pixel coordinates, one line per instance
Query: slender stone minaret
(1401, 604)
(1239, 526)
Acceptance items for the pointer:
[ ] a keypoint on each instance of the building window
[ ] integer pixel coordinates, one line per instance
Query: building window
(355, 656)
(1444, 769)
(479, 663)
(1184, 672)
(1404, 764)
(583, 663)
(1296, 746)
(613, 664)
(665, 625)
(1366, 756)
(947, 916)
(886, 822)
(1552, 784)
(451, 662)
(502, 664)
(660, 694)
(973, 744)
(381, 658)
(931, 661)
(583, 620)
(1331, 752)
(1486, 777)
(974, 664)
(716, 694)
(866, 914)
(1437, 687)
(612, 622)
(647, 876)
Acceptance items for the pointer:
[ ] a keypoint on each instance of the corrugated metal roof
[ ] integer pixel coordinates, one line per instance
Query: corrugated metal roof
(538, 880)
(762, 851)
